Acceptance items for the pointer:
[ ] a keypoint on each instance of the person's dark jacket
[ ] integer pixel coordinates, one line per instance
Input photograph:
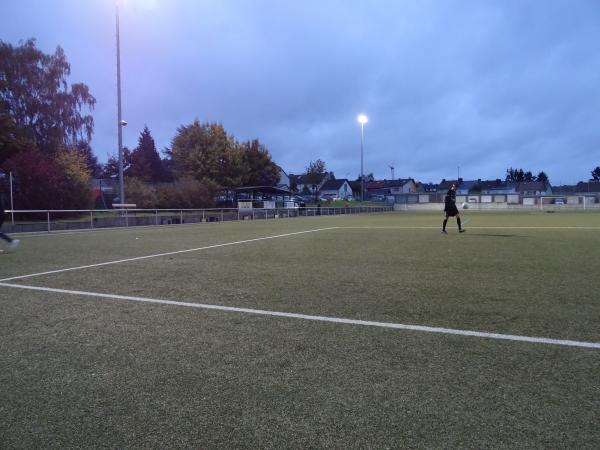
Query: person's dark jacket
(450, 203)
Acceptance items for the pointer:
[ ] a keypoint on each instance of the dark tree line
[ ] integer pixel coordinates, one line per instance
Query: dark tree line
(519, 175)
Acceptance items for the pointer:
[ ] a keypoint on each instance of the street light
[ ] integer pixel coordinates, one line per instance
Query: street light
(120, 122)
(362, 119)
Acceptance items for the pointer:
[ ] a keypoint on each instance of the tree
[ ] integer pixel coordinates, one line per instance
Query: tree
(205, 152)
(145, 160)
(596, 174)
(111, 168)
(518, 175)
(37, 107)
(258, 168)
(45, 182)
(91, 161)
(542, 177)
(314, 174)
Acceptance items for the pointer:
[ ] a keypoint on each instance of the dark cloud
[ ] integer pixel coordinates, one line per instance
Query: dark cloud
(483, 85)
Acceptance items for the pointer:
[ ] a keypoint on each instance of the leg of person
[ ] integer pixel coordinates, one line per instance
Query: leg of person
(12, 243)
(444, 225)
(460, 229)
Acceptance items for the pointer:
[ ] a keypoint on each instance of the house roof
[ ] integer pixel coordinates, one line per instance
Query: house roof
(588, 186)
(531, 186)
(427, 187)
(332, 185)
(303, 179)
(445, 184)
(564, 189)
(493, 184)
(382, 184)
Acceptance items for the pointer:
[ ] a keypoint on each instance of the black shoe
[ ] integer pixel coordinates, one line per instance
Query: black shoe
(462, 230)
(444, 232)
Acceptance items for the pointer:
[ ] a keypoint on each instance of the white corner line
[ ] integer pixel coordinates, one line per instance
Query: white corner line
(138, 258)
(397, 326)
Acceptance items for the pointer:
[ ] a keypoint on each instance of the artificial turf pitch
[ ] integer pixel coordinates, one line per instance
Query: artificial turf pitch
(91, 371)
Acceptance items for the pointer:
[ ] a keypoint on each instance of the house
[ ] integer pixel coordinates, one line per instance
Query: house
(304, 184)
(284, 179)
(533, 188)
(391, 187)
(336, 189)
(445, 185)
(427, 188)
(496, 187)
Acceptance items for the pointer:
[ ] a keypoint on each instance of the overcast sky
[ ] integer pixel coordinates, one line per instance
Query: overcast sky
(480, 84)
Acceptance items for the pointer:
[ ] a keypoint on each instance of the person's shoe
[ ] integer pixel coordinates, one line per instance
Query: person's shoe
(13, 245)
(444, 232)
(462, 230)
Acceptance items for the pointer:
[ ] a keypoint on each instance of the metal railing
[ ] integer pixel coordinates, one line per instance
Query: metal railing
(26, 221)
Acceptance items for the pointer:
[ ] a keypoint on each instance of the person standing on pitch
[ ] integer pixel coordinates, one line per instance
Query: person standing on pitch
(12, 243)
(450, 209)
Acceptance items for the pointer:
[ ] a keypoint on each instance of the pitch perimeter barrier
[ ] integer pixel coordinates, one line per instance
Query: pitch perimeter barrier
(31, 221)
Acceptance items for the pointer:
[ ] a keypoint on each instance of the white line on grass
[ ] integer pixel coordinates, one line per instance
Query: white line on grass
(368, 323)
(137, 258)
(391, 227)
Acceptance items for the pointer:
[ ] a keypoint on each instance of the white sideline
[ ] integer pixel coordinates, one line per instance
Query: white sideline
(397, 326)
(392, 227)
(137, 258)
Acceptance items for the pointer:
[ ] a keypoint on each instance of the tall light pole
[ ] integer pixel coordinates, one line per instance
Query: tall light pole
(120, 122)
(362, 119)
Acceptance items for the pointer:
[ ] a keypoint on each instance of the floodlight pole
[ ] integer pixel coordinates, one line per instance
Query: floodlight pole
(119, 118)
(362, 119)
(12, 205)
(362, 175)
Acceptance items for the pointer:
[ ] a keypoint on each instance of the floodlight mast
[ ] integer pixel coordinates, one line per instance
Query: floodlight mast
(362, 119)
(120, 122)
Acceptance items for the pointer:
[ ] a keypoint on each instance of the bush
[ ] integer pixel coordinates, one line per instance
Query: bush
(142, 194)
(43, 182)
(187, 193)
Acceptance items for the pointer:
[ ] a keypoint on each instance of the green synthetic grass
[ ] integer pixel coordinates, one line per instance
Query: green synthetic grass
(91, 372)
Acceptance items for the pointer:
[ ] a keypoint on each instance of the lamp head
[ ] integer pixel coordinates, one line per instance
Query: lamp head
(362, 119)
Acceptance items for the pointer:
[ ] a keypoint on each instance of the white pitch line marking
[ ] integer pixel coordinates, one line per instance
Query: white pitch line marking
(399, 227)
(368, 323)
(137, 258)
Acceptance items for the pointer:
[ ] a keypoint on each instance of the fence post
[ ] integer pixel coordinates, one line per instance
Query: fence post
(91, 219)
(181, 217)
(156, 216)
(48, 216)
(222, 216)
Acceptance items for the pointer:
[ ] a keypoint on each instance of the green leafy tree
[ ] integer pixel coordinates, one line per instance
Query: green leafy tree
(596, 174)
(37, 106)
(111, 168)
(314, 174)
(257, 166)
(85, 151)
(145, 160)
(205, 152)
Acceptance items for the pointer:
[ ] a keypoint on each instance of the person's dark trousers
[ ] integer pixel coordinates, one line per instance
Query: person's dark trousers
(458, 222)
(2, 235)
